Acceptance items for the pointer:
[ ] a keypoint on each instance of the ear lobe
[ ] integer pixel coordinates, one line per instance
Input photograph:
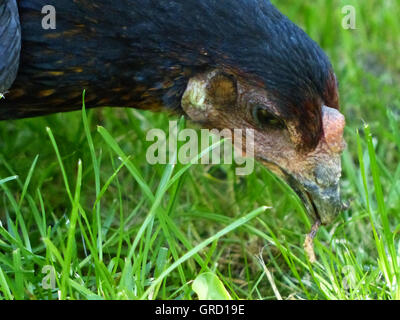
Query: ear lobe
(222, 90)
(206, 93)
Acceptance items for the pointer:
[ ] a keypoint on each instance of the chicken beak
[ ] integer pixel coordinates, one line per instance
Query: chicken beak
(318, 187)
(321, 195)
(327, 204)
(322, 204)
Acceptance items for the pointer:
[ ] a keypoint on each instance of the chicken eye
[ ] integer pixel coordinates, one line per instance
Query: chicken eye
(265, 119)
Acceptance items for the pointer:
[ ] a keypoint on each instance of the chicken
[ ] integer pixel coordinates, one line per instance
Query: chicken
(235, 64)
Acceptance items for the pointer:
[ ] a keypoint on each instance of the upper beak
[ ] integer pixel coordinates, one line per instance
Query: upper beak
(319, 189)
(323, 204)
(321, 194)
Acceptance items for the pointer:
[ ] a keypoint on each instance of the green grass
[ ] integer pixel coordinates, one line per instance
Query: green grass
(78, 198)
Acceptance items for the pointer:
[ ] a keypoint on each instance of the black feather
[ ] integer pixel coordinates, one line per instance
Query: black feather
(141, 53)
(10, 43)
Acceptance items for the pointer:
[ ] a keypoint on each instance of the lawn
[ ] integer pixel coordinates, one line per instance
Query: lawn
(84, 216)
